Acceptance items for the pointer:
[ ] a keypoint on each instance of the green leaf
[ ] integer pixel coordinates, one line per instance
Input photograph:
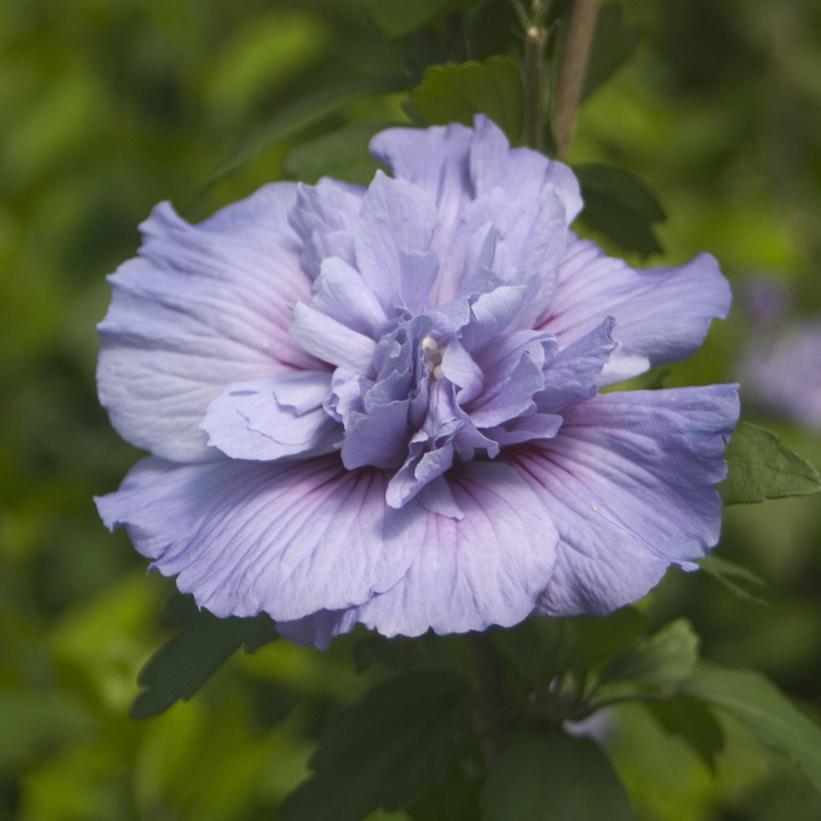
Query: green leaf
(731, 575)
(751, 699)
(692, 721)
(760, 467)
(620, 206)
(613, 42)
(296, 117)
(600, 639)
(342, 154)
(395, 18)
(542, 776)
(660, 661)
(182, 665)
(456, 91)
(383, 750)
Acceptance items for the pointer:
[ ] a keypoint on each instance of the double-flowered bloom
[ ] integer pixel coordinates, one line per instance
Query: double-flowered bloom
(381, 405)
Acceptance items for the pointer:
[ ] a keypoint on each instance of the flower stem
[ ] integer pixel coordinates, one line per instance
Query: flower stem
(492, 712)
(573, 70)
(535, 39)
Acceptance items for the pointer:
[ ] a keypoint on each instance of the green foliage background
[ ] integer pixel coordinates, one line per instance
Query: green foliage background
(107, 106)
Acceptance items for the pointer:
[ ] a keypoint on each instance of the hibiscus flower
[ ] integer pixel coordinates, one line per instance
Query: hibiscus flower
(382, 405)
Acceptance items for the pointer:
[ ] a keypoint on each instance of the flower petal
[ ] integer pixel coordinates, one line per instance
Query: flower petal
(319, 628)
(331, 341)
(341, 293)
(203, 306)
(286, 539)
(630, 484)
(273, 418)
(519, 172)
(661, 314)
(378, 438)
(489, 567)
(323, 217)
(393, 239)
(573, 374)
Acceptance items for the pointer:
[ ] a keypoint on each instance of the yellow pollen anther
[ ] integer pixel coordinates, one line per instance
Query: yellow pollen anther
(430, 344)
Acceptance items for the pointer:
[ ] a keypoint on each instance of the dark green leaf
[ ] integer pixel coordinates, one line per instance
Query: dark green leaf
(760, 467)
(600, 639)
(384, 750)
(455, 799)
(182, 665)
(543, 776)
(456, 91)
(397, 17)
(399, 654)
(342, 154)
(751, 699)
(613, 43)
(692, 721)
(660, 661)
(731, 575)
(292, 119)
(620, 206)
(541, 648)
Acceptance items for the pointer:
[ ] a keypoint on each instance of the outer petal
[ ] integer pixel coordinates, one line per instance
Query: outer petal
(319, 628)
(247, 537)
(201, 307)
(486, 568)
(630, 484)
(268, 419)
(661, 314)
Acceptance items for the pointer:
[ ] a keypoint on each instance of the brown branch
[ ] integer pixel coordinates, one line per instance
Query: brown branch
(574, 67)
(535, 39)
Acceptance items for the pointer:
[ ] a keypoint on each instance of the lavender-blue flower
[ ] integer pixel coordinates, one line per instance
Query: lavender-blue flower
(381, 405)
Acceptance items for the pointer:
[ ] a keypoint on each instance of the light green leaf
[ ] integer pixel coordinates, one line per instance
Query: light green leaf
(342, 154)
(620, 206)
(384, 750)
(751, 699)
(541, 776)
(182, 665)
(692, 721)
(456, 91)
(731, 575)
(660, 661)
(760, 468)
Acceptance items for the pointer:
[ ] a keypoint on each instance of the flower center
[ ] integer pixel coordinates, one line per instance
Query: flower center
(432, 357)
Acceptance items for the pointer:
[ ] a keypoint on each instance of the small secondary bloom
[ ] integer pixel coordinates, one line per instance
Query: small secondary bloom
(782, 374)
(380, 405)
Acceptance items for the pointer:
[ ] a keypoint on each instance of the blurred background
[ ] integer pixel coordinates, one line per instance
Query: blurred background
(108, 106)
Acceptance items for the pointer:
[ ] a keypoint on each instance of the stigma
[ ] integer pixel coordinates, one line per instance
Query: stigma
(432, 357)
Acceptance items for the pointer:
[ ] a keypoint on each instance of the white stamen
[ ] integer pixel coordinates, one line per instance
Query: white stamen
(438, 373)
(430, 344)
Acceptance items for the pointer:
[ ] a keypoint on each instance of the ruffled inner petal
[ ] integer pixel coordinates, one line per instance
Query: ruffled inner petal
(273, 418)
